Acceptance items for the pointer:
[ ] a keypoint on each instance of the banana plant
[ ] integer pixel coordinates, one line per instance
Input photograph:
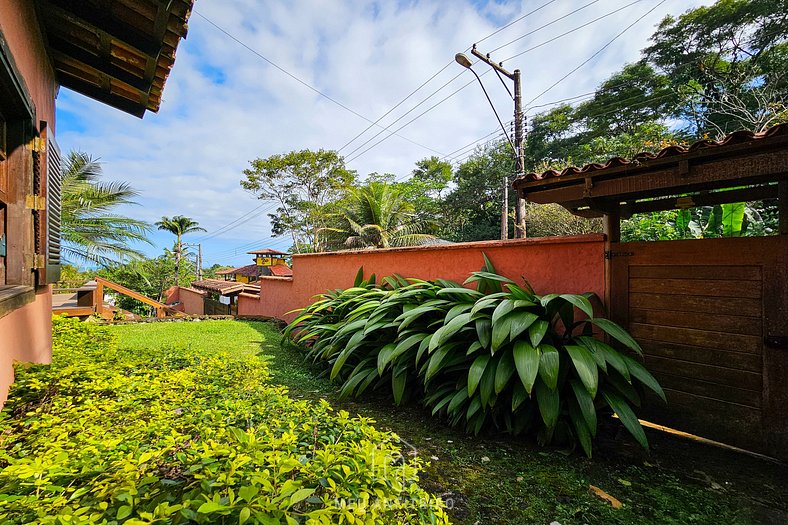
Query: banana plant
(497, 356)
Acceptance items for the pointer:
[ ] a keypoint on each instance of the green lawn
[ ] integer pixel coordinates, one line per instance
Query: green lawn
(493, 479)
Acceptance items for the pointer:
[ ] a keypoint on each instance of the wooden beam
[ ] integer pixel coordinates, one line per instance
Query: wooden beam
(62, 49)
(101, 21)
(704, 199)
(611, 226)
(716, 174)
(91, 90)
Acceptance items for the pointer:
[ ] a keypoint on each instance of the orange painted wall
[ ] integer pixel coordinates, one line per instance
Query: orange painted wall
(25, 336)
(550, 264)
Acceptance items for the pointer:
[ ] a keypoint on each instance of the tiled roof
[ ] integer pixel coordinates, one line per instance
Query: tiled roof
(267, 251)
(737, 137)
(280, 270)
(215, 285)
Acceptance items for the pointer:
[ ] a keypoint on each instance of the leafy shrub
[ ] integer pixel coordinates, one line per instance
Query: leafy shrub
(109, 436)
(497, 356)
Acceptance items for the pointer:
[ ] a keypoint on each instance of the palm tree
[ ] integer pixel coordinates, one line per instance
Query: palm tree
(179, 226)
(378, 216)
(90, 231)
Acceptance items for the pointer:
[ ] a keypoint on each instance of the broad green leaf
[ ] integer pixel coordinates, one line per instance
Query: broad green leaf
(125, 511)
(500, 331)
(586, 405)
(457, 310)
(503, 308)
(205, 508)
(627, 417)
(449, 329)
(520, 293)
(618, 333)
(484, 331)
(300, 495)
(475, 372)
(537, 331)
(384, 356)
(549, 404)
(583, 304)
(548, 365)
(526, 360)
(457, 400)
(359, 277)
(519, 395)
(398, 380)
(644, 376)
(520, 322)
(732, 219)
(475, 276)
(504, 372)
(434, 364)
(623, 387)
(581, 431)
(467, 293)
(586, 367)
(487, 385)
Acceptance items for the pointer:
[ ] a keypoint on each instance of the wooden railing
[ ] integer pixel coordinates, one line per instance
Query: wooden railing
(161, 309)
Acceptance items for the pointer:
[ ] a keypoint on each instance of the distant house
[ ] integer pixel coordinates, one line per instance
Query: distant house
(119, 53)
(267, 263)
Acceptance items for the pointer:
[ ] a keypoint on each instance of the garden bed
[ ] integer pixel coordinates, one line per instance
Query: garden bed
(180, 424)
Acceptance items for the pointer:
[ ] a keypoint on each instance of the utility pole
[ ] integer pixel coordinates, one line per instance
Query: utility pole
(199, 262)
(518, 146)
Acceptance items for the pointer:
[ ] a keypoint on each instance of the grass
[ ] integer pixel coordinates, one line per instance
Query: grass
(493, 479)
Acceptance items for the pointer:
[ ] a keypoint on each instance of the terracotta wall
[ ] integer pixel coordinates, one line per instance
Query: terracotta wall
(554, 264)
(25, 336)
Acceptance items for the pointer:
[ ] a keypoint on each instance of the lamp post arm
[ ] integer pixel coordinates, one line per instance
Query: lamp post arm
(503, 128)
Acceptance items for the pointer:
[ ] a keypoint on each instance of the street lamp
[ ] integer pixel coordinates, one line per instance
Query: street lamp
(517, 145)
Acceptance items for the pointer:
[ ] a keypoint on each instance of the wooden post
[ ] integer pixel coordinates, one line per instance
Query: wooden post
(782, 206)
(98, 298)
(611, 226)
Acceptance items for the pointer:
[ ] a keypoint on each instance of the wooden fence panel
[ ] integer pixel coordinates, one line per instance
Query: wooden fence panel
(703, 311)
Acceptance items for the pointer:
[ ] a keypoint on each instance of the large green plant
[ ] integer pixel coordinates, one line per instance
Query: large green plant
(499, 355)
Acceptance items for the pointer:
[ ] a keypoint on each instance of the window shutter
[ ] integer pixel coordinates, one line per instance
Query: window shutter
(54, 184)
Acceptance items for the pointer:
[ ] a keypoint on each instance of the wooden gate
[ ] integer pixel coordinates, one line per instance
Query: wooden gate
(712, 318)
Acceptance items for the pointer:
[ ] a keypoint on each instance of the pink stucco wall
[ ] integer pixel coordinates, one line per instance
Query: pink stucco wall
(190, 301)
(551, 264)
(25, 336)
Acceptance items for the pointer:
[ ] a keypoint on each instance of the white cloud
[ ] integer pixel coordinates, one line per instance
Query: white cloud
(224, 106)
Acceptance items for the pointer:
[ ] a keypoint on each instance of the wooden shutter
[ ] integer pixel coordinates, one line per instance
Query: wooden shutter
(54, 183)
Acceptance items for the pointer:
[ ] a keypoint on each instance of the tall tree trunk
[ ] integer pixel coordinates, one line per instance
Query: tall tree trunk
(178, 249)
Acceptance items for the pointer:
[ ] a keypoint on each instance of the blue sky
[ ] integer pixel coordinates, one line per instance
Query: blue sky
(224, 106)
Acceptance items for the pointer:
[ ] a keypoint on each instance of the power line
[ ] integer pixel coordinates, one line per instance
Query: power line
(441, 70)
(300, 81)
(231, 225)
(544, 26)
(600, 50)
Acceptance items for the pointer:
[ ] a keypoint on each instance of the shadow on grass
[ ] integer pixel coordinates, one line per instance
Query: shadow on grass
(493, 479)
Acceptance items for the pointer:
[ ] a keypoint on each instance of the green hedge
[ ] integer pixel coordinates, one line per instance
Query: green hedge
(498, 356)
(170, 436)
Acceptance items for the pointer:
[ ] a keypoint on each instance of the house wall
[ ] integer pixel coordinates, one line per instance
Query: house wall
(555, 264)
(26, 332)
(190, 301)
(25, 336)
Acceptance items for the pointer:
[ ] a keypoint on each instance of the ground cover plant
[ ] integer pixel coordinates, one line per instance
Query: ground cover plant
(498, 356)
(148, 434)
(496, 479)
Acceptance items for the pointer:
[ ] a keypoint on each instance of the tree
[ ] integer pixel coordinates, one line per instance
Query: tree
(178, 226)
(472, 210)
(378, 216)
(728, 63)
(92, 233)
(306, 185)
